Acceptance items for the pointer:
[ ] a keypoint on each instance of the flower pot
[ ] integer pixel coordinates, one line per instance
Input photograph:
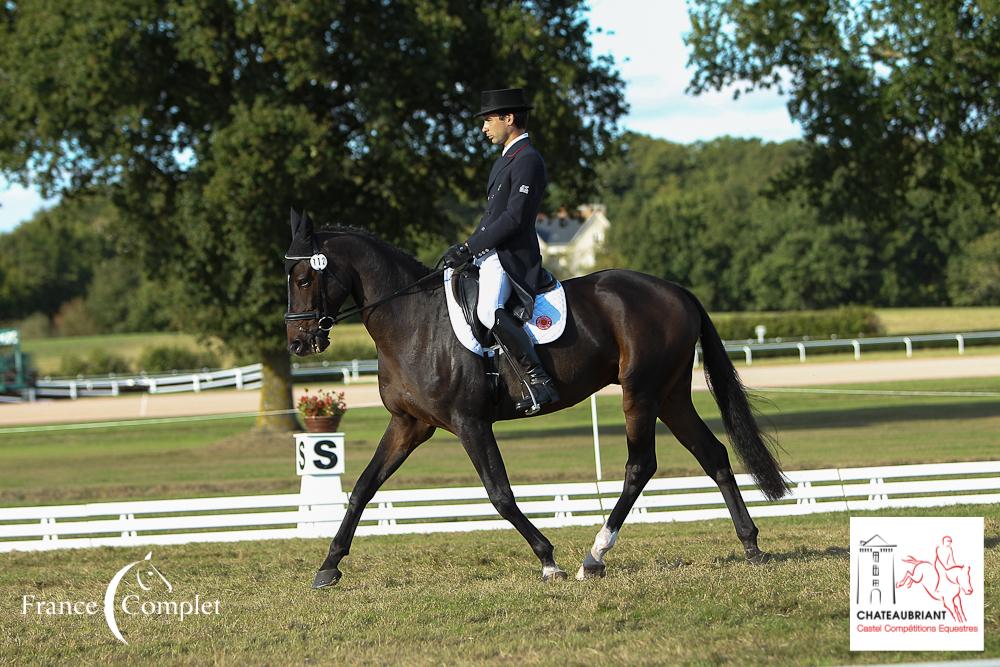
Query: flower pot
(327, 424)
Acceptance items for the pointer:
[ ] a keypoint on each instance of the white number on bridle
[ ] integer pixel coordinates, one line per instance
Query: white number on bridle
(318, 261)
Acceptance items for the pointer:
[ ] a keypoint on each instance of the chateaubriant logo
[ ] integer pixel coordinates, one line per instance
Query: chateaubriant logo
(916, 583)
(151, 594)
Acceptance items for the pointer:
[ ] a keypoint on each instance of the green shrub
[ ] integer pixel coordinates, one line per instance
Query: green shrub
(172, 358)
(98, 362)
(35, 326)
(840, 322)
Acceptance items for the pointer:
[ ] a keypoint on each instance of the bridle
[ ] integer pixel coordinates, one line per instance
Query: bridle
(321, 264)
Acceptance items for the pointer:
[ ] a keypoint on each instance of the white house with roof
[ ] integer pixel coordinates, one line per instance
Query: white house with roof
(569, 244)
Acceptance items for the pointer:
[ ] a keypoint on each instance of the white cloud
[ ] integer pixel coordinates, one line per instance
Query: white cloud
(646, 39)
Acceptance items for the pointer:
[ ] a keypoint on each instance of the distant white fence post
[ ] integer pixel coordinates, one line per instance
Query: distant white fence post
(961, 343)
(857, 349)
(802, 352)
(909, 347)
(597, 438)
(749, 355)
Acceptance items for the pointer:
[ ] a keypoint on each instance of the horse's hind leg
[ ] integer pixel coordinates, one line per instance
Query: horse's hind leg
(679, 415)
(640, 425)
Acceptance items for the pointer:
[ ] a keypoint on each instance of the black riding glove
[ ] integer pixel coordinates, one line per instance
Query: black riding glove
(457, 255)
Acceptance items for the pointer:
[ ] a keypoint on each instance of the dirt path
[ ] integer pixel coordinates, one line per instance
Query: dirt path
(365, 393)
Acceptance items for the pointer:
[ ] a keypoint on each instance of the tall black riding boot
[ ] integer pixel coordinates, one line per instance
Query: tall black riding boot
(521, 351)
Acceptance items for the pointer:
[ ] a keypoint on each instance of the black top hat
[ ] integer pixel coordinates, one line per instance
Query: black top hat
(506, 99)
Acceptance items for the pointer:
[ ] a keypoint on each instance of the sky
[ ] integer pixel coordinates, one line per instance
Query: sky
(646, 39)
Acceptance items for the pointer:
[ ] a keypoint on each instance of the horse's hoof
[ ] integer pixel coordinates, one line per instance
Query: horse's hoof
(326, 578)
(593, 572)
(554, 575)
(760, 558)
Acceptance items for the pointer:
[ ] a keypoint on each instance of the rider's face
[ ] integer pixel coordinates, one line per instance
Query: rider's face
(498, 128)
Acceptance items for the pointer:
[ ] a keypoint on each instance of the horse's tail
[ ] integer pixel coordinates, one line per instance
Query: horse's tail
(752, 446)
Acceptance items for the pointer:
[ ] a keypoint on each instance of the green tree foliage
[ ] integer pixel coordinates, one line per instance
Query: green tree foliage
(701, 215)
(51, 259)
(901, 112)
(209, 119)
(974, 275)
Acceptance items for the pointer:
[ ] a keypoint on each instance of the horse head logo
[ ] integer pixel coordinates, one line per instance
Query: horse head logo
(146, 576)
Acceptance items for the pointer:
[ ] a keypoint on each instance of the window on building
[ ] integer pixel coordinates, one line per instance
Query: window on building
(875, 583)
(875, 570)
(875, 557)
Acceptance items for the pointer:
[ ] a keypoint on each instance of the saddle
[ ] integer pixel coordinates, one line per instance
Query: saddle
(465, 291)
(462, 294)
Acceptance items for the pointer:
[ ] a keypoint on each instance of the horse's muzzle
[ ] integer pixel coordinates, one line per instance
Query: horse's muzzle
(309, 342)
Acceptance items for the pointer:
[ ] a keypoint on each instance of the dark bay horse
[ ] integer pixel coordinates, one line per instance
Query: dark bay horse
(624, 328)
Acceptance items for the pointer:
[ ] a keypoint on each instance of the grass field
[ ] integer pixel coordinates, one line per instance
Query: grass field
(224, 458)
(675, 594)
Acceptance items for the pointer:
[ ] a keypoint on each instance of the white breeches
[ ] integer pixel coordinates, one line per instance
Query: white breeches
(494, 288)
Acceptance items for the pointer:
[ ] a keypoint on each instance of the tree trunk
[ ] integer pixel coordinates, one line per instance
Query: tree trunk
(276, 393)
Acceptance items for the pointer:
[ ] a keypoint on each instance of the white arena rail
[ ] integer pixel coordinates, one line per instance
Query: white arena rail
(285, 516)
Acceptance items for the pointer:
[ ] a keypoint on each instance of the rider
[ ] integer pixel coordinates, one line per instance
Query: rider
(505, 244)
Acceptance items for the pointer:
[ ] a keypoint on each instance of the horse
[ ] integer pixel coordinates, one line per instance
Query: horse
(946, 585)
(624, 327)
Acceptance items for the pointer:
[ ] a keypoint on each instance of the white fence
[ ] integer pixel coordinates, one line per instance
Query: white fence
(904, 343)
(244, 377)
(466, 509)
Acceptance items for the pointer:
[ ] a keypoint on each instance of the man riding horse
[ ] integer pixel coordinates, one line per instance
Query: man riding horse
(505, 245)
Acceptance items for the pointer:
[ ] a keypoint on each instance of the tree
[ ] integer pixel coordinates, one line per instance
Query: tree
(50, 259)
(209, 119)
(899, 104)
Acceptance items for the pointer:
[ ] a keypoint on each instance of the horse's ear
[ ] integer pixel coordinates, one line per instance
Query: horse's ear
(307, 225)
(302, 229)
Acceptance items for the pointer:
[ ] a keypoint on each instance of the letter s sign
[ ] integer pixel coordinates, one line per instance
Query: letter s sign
(324, 449)
(319, 453)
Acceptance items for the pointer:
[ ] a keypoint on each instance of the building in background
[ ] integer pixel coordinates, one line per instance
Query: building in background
(570, 244)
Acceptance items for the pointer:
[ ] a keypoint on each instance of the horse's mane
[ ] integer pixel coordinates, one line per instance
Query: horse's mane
(404, 258)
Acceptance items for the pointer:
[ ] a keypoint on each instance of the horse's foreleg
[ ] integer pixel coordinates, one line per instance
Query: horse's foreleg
(959, 609)
(640, 424)
(401, 437)
(481, 446)
(684, 422)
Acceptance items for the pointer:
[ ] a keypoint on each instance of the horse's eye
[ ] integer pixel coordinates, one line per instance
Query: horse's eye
(305, 282)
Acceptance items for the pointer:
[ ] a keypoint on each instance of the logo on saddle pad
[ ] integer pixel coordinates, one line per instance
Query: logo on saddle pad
(543, 322)
(916, 584)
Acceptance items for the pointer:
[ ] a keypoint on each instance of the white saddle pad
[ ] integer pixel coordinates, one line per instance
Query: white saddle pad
(547, 325)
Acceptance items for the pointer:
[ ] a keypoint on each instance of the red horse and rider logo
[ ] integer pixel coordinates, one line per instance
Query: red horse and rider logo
(944, 580)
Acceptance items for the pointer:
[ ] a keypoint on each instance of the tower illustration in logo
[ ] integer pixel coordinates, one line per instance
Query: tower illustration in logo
(876, 572)
(944, 580)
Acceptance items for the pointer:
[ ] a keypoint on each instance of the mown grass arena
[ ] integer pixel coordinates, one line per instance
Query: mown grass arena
(677, 593)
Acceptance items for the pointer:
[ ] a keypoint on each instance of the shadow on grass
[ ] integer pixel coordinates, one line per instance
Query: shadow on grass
(801, 554)
(851, 418)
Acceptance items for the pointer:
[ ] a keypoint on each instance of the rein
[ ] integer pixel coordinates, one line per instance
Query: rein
(319, 263)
